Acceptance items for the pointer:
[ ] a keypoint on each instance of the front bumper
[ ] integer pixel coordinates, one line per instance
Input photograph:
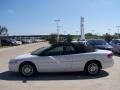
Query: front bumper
(13, 68)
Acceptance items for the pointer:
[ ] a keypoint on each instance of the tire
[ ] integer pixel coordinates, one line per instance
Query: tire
(92, 68)
(27, 69)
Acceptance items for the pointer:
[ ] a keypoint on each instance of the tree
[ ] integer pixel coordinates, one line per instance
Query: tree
(108, 37)
(3, 31)
(52, 39)
(69, 38)
(89, 34)
(116, 36)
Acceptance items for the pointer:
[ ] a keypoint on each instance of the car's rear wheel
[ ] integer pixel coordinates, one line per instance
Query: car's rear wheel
(92, 68)
(27, 69)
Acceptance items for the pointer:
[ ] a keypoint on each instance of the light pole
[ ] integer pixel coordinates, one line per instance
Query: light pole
(64, 32)
(77, 35)
(93, 32)
(109, 31)
(0, 40)
(57, 25)
(118, 27)
(82, 28)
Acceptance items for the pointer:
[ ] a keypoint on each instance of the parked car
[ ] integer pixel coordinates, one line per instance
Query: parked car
(82, 42)
(16, 42)
(99, 44)
(36, 40)
(19, 42)
(26, 41)
(116, 45)
(5, 42)
(62, 57)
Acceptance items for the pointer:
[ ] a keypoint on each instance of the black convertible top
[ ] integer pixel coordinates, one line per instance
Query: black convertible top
(78, 46)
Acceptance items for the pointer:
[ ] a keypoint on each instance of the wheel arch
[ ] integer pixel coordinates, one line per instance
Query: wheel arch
(96, 61)
(28, 62)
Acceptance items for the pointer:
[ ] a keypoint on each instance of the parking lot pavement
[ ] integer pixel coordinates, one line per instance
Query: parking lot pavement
(108, 79)
(7, 53)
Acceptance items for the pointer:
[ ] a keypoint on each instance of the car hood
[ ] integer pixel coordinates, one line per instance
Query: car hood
(103, 46)
(25, 56)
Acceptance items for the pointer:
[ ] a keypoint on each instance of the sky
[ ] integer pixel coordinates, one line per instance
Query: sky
(33, 17)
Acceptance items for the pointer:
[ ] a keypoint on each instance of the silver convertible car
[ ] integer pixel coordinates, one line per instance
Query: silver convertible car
(62, 57)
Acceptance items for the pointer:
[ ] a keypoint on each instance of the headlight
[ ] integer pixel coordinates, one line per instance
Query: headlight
(13, 61)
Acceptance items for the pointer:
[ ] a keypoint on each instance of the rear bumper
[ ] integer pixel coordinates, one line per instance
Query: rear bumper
(108, 64)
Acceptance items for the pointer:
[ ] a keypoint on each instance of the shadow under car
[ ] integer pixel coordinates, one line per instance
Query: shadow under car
(7, 75)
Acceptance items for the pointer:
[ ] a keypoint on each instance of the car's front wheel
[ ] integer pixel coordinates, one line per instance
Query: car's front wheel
(27, 69)
(92, 68)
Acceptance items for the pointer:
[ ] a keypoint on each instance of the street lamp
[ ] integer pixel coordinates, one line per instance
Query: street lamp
(57, 25)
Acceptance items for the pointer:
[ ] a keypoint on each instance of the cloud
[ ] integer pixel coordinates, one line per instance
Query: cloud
(11, 11)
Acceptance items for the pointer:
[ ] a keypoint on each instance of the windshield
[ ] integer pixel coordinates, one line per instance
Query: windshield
(38, 51)
(12, 40)
(117, 41)
(99, 42)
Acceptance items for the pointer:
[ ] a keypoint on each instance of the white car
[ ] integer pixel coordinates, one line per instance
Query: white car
(82, 42)
(62, 57)
(18, 42)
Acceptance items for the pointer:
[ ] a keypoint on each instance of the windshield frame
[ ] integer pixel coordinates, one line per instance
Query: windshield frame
(40, 50)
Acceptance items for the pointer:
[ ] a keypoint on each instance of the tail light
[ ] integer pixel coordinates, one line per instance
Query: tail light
(110, 55)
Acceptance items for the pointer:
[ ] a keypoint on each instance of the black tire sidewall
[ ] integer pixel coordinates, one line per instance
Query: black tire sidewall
(86, 69)
(23, 66)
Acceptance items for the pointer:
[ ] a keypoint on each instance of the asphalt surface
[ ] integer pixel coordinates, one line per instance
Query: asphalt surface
(109, 79)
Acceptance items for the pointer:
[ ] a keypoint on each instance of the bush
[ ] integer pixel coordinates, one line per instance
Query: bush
(52, 39)
(108, 37)
(69, 38)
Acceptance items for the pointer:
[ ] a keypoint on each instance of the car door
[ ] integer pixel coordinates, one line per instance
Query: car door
(115, 46)
(55, 60)
(79, 59)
